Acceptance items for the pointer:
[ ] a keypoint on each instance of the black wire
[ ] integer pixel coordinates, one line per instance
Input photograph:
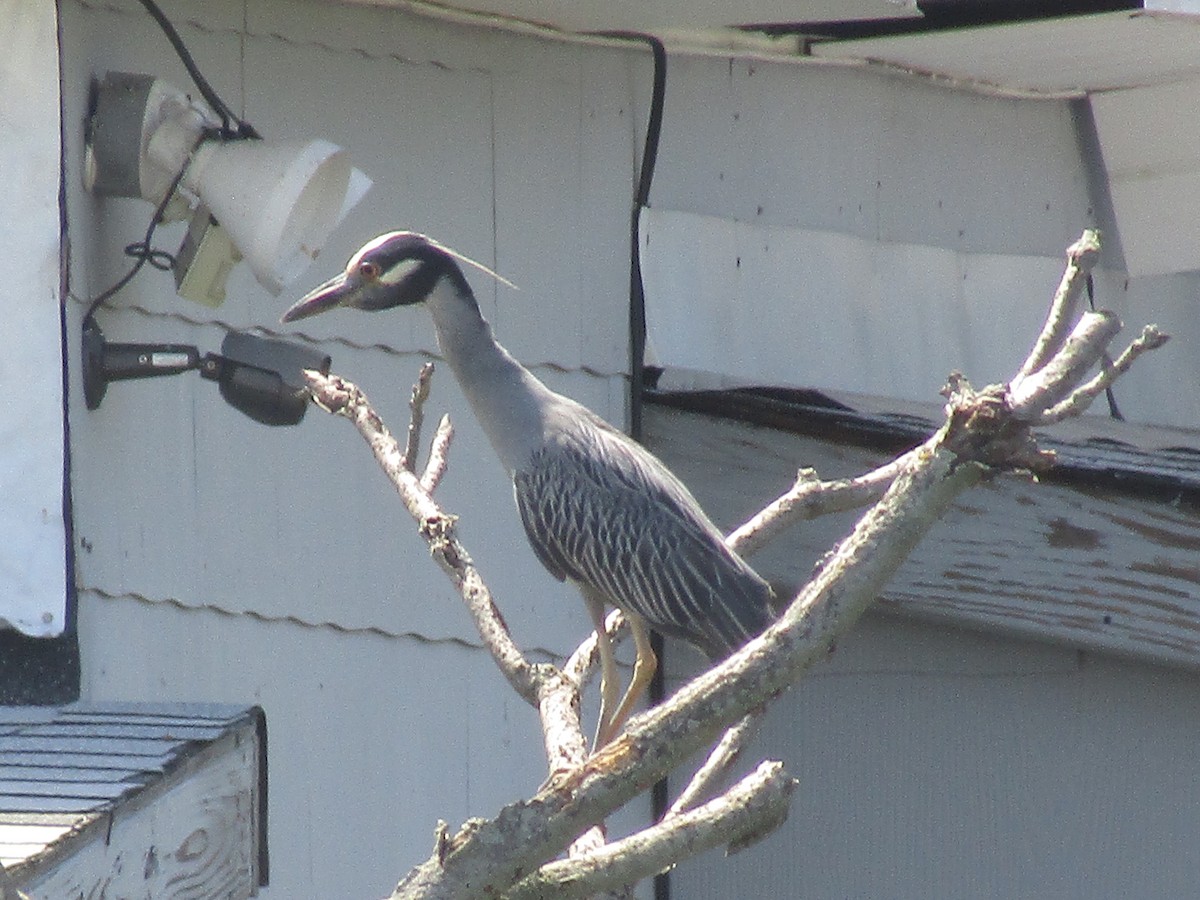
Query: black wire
(637, 290)
(660, 792)
(143, 252)
(243, 129)
(641, 199)
(1113, 411)
(654, 122)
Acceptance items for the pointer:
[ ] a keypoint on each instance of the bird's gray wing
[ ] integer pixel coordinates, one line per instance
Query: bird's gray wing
(600, 510)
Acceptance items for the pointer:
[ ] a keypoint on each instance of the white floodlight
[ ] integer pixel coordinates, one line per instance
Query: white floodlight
(272, 203)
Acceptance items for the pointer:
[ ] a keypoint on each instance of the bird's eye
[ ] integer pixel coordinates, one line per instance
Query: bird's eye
(368, 270)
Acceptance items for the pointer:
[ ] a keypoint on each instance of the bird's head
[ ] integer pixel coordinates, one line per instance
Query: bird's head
(399, 268)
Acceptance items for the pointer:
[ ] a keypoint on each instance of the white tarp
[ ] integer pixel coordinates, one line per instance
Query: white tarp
(32, 533)
(799, 307)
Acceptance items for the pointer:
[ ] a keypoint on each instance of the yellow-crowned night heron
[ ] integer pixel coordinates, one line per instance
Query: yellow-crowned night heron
(598, 509)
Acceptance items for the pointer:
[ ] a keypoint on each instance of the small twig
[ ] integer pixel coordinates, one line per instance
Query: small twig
(723, 757)
(341, 397)
(1061, 374)
(1082, 257)
(1081, 398)
(808, 498)
(441, 837)
(416, 421)
(753, 808)
(439, 456)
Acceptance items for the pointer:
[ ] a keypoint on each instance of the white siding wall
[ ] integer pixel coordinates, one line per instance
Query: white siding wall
(937, 763)
(859, 230)
(220, 559)
(32, 535)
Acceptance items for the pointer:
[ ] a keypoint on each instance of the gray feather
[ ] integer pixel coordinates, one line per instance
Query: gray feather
(600, 510)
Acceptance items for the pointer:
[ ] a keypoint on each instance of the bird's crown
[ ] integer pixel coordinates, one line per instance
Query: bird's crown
(398, 268)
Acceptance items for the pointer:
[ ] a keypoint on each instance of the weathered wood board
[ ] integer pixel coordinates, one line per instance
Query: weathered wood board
(135, 800)
(1090, 568)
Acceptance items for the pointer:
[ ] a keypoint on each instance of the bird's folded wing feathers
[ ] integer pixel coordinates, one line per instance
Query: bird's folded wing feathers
(601, 511)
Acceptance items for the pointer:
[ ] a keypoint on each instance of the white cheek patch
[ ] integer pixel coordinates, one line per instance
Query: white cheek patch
(399, 271)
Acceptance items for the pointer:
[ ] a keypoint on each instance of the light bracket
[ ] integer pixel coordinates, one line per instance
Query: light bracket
(259, 376)
(277, 201)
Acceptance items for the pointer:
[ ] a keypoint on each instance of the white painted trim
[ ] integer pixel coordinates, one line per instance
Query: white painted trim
(32, 532)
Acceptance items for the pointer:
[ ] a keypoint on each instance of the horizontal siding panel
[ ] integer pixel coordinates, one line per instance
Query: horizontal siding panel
(859, 151)
(1123, 49)
(785, 306)
(324, 539)
(788, 306)
(1051, 779)
(377, 723)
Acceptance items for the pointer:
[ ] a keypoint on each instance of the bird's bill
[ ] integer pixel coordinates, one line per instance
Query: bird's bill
(331, 294)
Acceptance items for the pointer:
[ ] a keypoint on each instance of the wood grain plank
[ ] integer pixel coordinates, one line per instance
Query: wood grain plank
(1088, 569)
(192, 833)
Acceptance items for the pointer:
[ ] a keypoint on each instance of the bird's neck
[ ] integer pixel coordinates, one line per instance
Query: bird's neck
(507, 399)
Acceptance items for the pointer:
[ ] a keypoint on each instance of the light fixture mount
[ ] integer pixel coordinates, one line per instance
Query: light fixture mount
(259, 376)
(278, 201)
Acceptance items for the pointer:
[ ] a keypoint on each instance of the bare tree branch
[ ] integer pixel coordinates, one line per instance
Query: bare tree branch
(439, 455)
(416, 406)
(1061, 356)
(987, 428)
(1062, 373)
(809, 498)
(486, 858)
(555, 696)
(1079, 400)
(722, 758)
(1082, 257)
(753, 807)
(340, 397)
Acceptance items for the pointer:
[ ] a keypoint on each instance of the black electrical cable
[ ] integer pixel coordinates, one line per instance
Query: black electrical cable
(142, 251)
(659, 793)
(660, 797)
(243, 129)
(641, 199)
(1113, 411)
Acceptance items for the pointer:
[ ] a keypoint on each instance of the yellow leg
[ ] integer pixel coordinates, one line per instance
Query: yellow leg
(610, 680)
(644, 666)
